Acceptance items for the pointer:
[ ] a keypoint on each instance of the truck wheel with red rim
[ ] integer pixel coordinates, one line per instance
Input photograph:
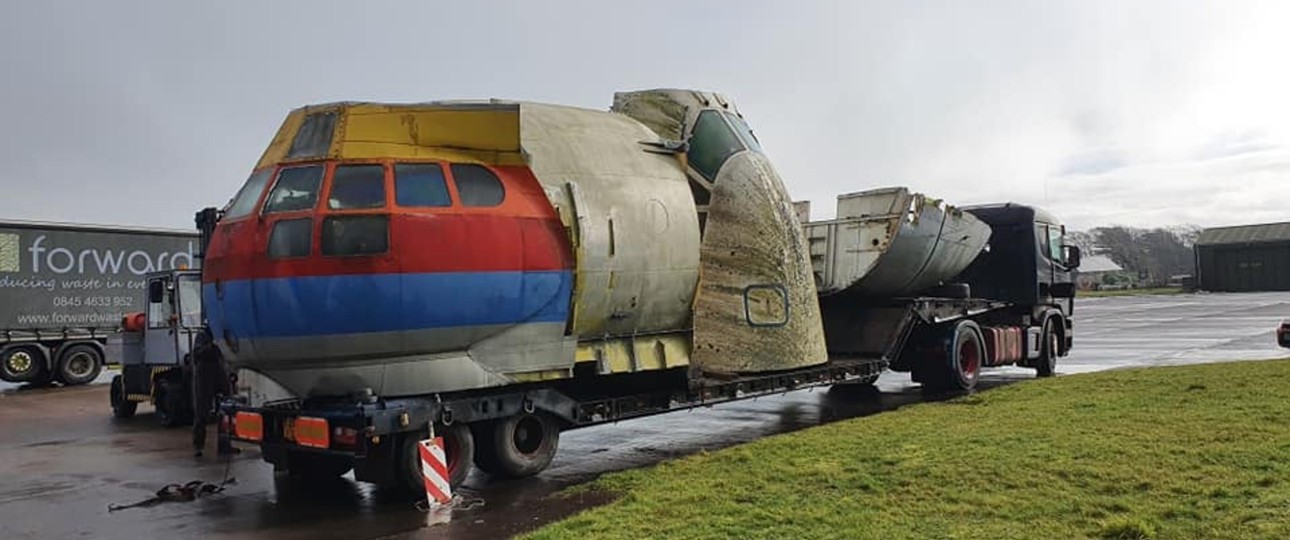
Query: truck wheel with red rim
(78, 364)
(522, 445)
(22, 363)
(458, 447)
(960, 364)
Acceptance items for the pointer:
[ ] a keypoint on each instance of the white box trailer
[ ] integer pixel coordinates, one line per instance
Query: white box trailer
(64, 289)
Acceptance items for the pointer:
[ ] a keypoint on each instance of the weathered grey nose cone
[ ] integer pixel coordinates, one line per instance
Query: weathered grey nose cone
(756, 308)
(755, 272)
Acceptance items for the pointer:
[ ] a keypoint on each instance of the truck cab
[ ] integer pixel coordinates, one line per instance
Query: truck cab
(1027, 262)
(153, 348)
(1028, 265)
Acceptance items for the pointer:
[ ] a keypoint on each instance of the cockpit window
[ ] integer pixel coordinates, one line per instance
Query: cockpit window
(246, 198)
(712, 142)
(291, 238)
(745, 133)
(420, 185)
(296, 189)
(344, 236)
(313, 139)
(477, 186)
(357, 186)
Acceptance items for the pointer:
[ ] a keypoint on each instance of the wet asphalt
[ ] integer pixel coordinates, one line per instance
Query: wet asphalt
(64, 459)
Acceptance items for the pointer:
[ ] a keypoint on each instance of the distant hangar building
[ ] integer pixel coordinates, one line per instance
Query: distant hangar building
(1244, 258)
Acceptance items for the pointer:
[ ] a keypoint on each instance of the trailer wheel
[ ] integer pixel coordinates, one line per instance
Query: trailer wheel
(23, 363)
(960, 364)
(522, 445)
(79, 364)
(458, 446)
(313, 467)
(1046, 364)
(121, 406)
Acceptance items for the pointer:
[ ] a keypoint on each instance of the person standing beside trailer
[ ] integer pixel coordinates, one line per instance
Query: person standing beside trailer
(209, 381)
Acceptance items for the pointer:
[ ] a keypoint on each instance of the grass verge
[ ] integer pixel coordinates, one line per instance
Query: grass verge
(1171, 452)
(1129, 292)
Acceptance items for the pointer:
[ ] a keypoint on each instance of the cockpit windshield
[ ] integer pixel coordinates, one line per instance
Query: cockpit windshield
(244, 202)
(745, 133)
(712, 142)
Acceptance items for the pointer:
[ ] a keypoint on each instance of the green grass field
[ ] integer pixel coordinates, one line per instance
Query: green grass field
(1129, 292)
(1171, 452)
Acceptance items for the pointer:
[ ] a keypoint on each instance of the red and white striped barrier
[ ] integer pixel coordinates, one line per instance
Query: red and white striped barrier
(434, 468)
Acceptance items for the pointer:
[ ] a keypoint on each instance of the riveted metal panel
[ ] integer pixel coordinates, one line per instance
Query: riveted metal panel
(630, 215)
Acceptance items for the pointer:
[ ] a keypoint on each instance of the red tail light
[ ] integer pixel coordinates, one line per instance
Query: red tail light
(248, 426)
(312, 432)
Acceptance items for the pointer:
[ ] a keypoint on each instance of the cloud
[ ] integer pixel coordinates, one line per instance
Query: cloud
(1143, 113)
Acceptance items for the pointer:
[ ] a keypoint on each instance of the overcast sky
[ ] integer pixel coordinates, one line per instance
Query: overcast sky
(1135, 113)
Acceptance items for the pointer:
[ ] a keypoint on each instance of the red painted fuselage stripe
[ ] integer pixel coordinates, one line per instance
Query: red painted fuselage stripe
(418, 244)
(522, 234)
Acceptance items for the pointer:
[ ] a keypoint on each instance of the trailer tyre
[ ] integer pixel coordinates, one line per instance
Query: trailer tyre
(23, 363)
(458, 446)
(961, 362)
(121, 406)
(1046, 364)
(79, 364)
(522, 445)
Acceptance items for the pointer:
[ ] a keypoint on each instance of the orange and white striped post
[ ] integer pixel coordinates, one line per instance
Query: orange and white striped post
(434, 469)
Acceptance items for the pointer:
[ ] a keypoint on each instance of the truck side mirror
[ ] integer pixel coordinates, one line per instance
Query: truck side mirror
(156, 292)
(1072, 257)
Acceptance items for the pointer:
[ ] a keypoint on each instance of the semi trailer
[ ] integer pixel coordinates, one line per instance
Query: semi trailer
(65, 287)
(494, 273)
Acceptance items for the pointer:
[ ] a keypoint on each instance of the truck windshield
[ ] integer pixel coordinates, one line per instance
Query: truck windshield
(190, 301)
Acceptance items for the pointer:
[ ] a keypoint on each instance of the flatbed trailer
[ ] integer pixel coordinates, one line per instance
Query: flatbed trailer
(371, 434)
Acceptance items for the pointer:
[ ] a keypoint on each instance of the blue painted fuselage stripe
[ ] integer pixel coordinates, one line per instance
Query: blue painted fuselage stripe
(351, 304)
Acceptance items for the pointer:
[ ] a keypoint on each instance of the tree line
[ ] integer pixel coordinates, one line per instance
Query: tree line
(1150, 256)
